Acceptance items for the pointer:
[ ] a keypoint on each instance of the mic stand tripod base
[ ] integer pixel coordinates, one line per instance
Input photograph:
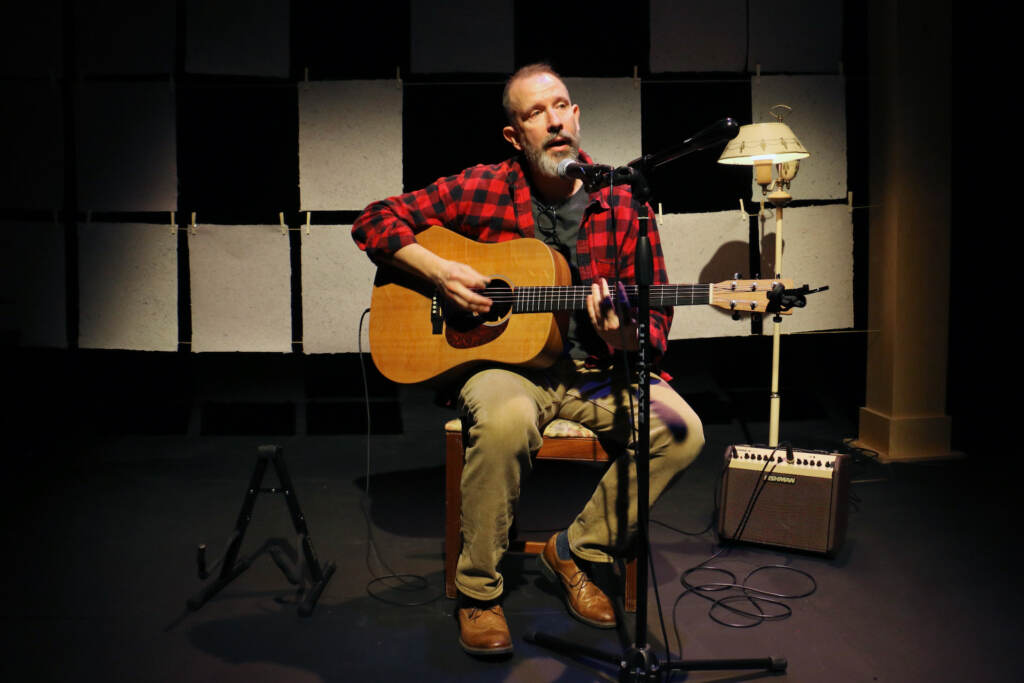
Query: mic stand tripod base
(641, 664)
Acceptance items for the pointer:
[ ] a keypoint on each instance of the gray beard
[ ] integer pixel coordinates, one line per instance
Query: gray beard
(545, 164)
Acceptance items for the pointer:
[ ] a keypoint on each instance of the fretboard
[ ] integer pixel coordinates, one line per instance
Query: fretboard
(548, 299)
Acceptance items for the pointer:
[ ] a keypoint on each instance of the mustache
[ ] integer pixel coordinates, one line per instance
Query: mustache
(565, 135)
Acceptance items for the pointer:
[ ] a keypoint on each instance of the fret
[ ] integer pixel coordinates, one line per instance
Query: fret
(544, 299)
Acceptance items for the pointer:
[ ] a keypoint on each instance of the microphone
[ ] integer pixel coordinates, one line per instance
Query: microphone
(716, 133)
(570, 168)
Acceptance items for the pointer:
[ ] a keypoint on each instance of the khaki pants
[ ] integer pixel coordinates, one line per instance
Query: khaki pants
(503, 412)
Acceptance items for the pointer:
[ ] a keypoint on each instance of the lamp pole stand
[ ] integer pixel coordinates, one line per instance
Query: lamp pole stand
(778, 199)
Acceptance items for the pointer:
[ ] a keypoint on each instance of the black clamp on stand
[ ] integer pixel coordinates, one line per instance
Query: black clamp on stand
(638, 662)
(302, 568)
(781, 299)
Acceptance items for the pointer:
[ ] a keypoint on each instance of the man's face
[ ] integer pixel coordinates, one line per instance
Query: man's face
(546, 123)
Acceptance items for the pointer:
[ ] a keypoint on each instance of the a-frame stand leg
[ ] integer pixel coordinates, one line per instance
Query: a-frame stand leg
(306, 570)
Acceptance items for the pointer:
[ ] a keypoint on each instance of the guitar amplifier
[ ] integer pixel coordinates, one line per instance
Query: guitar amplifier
(795, 499)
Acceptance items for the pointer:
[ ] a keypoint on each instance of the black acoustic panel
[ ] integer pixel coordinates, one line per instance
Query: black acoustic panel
(674, 111)
(349, 417)
(345, 40)
(597, 38)
(338, 375)
(229, 418)
(133, 414)
(711, 408)
(753, 404)
(449, 127)
(238, 156)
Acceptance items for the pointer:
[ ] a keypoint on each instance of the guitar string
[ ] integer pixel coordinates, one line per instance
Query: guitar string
(530, 298)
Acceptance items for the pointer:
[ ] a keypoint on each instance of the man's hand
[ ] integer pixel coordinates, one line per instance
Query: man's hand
(457, 281)
(601, 307)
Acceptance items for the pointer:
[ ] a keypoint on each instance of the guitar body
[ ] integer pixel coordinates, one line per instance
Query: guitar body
(410, 342)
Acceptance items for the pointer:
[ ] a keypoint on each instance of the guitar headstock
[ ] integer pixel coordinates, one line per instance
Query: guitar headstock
(746, 296)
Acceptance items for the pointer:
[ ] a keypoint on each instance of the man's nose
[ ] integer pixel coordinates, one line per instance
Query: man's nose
(555, 123)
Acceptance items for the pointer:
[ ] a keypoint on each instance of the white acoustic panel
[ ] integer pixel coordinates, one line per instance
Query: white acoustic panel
(350, 143)
(127, 159)
(125, 36)
(238, 37)
(474, 36)
(337, 280)
(32, 138)
(711, 247)
(817, 249)
(609, 117)
(33, 44)
(818, 119)
(698, 35)
(705, 248)
(33, 308)
(127, 287)
(795, 36)
(241, 288)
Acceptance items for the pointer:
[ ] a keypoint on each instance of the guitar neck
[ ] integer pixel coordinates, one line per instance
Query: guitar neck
(550, 299)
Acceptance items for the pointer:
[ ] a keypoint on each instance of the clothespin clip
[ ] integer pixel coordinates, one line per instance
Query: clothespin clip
(398, 77)
(193, 225)
(308, 213)
(849, 202)
(636, 77)
(743, 211)
(284, 226)
(174, 225)
(661, 215)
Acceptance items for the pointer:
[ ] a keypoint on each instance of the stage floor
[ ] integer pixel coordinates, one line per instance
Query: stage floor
(101, 534)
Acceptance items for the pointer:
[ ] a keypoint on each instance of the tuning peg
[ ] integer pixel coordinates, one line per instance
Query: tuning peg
(735, 315)
(737, 276)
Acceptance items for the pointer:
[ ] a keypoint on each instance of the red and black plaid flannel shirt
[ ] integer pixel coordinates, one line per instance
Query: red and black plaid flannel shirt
(492, 204)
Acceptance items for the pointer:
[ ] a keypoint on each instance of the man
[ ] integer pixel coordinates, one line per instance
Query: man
(504, 409)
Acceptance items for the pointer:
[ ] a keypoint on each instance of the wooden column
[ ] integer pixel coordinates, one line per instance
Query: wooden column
(909, 230)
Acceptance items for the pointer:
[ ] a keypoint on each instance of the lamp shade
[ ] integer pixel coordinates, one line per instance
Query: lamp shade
(773, 142)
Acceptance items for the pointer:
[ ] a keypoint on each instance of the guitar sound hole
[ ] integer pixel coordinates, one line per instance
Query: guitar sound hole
(500, 293)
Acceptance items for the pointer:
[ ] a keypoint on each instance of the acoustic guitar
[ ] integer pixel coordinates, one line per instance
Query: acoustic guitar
(415, 335)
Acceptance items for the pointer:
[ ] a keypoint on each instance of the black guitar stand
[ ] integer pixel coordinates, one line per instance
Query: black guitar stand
(638, 662)
(302, 568)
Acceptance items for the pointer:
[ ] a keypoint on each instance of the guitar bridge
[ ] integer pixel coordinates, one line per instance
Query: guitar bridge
(436, 314)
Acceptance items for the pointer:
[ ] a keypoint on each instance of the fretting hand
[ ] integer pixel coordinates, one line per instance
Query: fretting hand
(614, 331)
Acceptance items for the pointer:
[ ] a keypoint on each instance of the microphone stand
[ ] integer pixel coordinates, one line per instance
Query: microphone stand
(639, 662)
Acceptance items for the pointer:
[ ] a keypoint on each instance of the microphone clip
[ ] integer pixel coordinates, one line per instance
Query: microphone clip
(781, 299)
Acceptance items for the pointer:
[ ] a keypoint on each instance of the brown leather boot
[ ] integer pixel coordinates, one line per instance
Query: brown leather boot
(483, 630)
(585, 600)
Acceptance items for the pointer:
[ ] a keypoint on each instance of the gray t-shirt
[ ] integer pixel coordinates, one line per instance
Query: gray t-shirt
(558, 225)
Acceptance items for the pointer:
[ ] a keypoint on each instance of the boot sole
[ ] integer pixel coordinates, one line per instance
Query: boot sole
(485, 652)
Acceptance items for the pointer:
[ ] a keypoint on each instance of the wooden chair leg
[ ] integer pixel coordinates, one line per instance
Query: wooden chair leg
(630, 598)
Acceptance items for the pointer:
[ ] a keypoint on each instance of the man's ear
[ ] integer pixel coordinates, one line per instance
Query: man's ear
(512, 135)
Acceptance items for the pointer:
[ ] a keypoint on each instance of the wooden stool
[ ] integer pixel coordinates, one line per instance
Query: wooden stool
(563, 440)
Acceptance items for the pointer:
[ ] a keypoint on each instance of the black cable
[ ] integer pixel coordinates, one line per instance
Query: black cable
(392, 580)
(761, 605)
